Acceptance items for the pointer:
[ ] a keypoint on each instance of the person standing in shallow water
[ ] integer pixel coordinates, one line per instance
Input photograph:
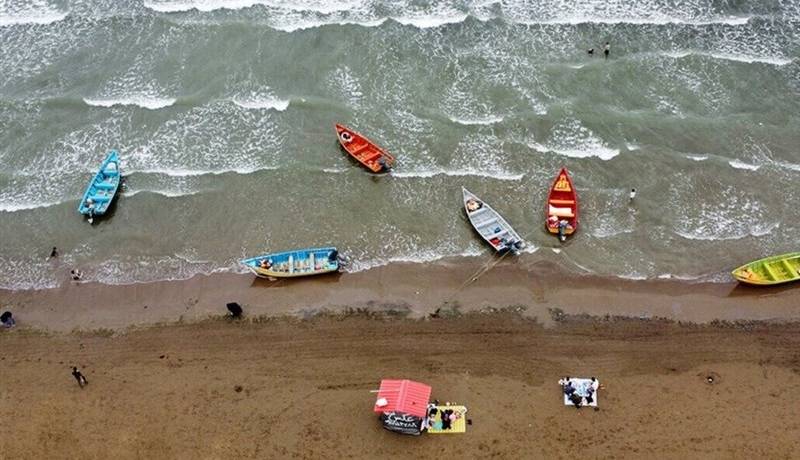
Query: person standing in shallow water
(606, 50)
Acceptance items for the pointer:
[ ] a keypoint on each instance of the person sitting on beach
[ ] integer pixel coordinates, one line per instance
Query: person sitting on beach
(566, 385)
(576, 399)
(7, 319)
(589, 394)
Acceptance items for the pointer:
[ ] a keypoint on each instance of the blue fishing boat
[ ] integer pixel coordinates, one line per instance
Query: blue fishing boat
(102, 189)
(290, 264)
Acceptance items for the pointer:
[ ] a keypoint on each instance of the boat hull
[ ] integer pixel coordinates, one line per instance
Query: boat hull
(103, 188)
(363, 150)
(562, 205)
(294, 264)
(489, 224)
(769, 271)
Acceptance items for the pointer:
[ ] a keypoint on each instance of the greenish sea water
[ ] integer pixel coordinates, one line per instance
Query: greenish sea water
(223, 111)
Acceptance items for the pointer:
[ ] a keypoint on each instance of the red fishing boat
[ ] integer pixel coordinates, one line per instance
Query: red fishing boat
(363, 150)
(561, 210)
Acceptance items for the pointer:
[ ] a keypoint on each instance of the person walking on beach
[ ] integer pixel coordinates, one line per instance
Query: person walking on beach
(79, 377)
(590, 52)
(54, 253)
(606, 50)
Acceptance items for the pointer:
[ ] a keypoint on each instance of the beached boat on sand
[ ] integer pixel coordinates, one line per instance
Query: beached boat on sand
(290, 264)
(102, 189)
(363, 150)
(771, 270)
(561, 210)
(489, 224)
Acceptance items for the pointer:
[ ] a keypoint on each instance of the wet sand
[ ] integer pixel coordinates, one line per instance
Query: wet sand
(416, 288)
(170, 378)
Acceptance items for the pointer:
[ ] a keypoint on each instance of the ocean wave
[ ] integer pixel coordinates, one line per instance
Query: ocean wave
(741, 165)
(570, 138)
(311, 24)
(458, 173)
(432, 21)
(599, 151)
(703, 234)
(746, 58)
(176, 6)
(787, 165)
(263, 103)
(146, 102)
(488, 120)
(16, 207)
(421, 258)
(334, 170)
(664, 20)
(697, 157)
(32, 18)
(165, 193)
(201, 172)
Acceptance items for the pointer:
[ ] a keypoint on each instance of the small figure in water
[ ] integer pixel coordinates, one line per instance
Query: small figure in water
(76, 275)
(54, 253)
(633, 194)
(590, 52)
(606, 50)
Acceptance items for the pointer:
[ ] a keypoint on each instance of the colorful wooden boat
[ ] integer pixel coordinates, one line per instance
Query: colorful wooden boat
(490, 225)
(290, 264)
(561, 210)
(102, 189)
(772, 270)
(363, 150)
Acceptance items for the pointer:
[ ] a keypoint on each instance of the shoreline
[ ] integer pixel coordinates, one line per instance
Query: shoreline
(416, 290)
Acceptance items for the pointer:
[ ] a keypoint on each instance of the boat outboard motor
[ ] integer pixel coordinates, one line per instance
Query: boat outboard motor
(382, 162)
(333, 255)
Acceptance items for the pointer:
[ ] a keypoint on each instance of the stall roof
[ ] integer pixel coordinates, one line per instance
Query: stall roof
(404, 396)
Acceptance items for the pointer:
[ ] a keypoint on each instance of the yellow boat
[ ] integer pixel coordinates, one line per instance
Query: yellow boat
(772, 270)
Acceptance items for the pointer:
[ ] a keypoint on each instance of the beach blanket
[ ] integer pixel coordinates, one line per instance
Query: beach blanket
(581, 387)
(458, 426)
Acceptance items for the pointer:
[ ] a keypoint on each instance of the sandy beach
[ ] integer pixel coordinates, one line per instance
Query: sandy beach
(293, 379)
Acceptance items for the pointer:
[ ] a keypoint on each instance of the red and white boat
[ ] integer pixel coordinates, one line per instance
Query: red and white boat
(364, 150)
(561, 210)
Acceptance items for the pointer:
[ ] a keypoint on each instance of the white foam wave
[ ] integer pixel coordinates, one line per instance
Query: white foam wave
(290, 26)
(597, 150)
(146, 102)
(663, 20)
(489, 120)
(570, 138)
(199, 5)
(315, 6)
(263, 103)
(423, 257)
(741, 165)
(702, 235)
(334, 170)
(202, 172)
(15, 207)
(44, 17)
(749, 59)
(697, 157)
(165, 193)
(792, 166)
(431, 21)
(459, 173)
